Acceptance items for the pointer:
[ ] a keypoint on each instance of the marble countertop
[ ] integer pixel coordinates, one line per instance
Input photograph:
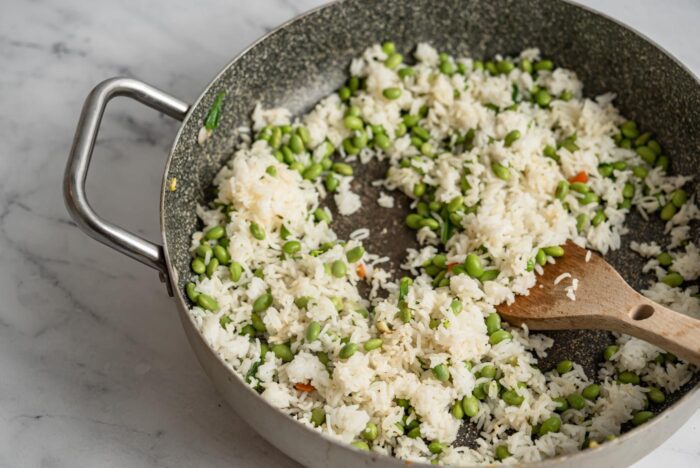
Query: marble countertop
(96, 370)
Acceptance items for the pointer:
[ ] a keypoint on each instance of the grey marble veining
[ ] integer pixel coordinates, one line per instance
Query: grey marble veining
(95, 368)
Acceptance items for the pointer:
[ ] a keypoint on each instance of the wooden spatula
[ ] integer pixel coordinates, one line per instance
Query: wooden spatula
(604, 301)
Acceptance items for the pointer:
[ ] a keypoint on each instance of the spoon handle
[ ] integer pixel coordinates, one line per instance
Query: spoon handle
(663, 327)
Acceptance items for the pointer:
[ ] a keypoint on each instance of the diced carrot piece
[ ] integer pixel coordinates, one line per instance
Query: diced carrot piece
(361, 272)
(580, 177)
(450, 266)
(304, 387)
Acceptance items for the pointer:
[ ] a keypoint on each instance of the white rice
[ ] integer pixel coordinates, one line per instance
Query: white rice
(504, 223)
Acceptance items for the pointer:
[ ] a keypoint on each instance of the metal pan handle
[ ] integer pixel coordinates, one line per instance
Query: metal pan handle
(76, 200)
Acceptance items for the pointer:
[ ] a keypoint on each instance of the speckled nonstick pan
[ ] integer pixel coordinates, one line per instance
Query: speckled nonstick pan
(306, 59)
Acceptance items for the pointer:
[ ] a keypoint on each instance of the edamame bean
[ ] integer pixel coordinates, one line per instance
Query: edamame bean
(473, 265)
(498, 336)
(393, 61)
(370, 432)
(628, 190)
(664, 259)
(598, 218)
(202, 250)
(489, 275)
(576, 401)
(347, 351)
(318, 416)
(562, 190)
(502, 452)
(198, 266)
(392, 93)
(512, 398)
(541, 257)
(591, 392)
(435, 447)
(372, 344)
(457, 411)
(640, 417)
(214, 233)
(679, 197)
(355, 254)
(212, 266)
(221, 255)
(470, 405)
(511, 138)
(338, 269)
(313, 331)
(312, 172)
(672, 279)
(322, 215)
(430, 223)
(493, 323)
(360, 445)
(192, 294)
(647, 155)
(562, 404)
(283, 352)
(291, 247)
(627, 377)
(262, 303)
(488, 371)
(656, 395)
(564, 366)
(543, 98)
(554, 251)
(610, 351)
(257, 231)
(207, 302)
(551, 424)
(500, 171)
(414, 221)
(668, 211)
(441, 372)
(544, 64)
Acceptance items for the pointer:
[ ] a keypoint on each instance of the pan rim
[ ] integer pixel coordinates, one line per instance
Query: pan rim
(687, 399)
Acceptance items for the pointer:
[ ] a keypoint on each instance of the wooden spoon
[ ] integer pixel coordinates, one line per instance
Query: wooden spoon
(604, 301)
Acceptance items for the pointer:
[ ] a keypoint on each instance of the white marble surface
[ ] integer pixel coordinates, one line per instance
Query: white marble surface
(95, 369)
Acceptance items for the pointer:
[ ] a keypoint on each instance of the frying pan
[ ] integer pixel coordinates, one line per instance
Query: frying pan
(307, 58)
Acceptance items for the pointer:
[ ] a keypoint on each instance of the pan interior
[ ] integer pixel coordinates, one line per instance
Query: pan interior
(296, 66)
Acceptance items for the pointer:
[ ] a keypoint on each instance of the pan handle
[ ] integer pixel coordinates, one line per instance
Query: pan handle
(76, 200)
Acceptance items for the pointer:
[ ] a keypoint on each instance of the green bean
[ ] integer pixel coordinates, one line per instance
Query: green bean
(370, 432)
(562, 404)
(664, 259)
(393, 61)
(283, 352)
(656, 395)
(543, 98)
(502, 452)
(441, 372)
(512, 398)
(591, 392)
(493, 323)
(498, 336)
(435, 447)
(373, 344)
(673, 279)
(576, 401)
(473, 266)
(338, 269)
(262, 303)
(554, 251)
(212, 120)
(627, 377)
(318, 416)
(640, 417)
(212, 266)
(347, 351)
(647, 155)
(610, 351)
(214, 233)
(392, 93)
(500, 171)
(562, 190)
(313, 331)
(511, 138)
(207, 302)
(550, 425)
(679, 197)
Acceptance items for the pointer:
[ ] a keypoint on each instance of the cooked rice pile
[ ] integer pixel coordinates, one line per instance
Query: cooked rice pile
(504, 161)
